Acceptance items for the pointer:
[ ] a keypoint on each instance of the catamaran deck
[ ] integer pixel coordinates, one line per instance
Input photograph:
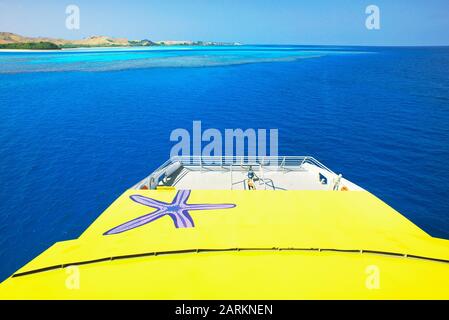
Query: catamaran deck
(158, 242)
(231, 173)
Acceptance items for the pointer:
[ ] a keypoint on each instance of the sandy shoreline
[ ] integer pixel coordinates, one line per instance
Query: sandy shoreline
(96, 48)
(65, 49)
(27, 50)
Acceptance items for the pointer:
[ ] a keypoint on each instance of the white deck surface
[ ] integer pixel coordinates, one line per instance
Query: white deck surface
(285, 173)
(216, 178)
(274, 180)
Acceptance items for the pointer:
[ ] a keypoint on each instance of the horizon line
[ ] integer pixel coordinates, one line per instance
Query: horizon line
(245, 44)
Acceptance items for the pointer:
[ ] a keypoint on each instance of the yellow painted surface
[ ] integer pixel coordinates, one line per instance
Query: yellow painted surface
(165, 188)
(354, 220)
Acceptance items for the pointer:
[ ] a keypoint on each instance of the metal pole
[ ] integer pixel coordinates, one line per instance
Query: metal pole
(230, 169)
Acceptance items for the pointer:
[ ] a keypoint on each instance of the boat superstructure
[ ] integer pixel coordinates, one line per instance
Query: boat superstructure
(241, 228)
(231, 172)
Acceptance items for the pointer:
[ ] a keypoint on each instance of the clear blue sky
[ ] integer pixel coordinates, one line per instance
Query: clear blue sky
(340, 22)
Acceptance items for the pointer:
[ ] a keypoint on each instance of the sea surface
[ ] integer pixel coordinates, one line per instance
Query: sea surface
(79, 127)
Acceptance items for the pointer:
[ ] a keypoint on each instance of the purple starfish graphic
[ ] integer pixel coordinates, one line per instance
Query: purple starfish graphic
(178, 210)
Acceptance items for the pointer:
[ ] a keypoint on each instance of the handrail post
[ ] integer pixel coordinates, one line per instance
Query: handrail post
(230, 169)
(337, 182)
(282, 164)
(302, 162)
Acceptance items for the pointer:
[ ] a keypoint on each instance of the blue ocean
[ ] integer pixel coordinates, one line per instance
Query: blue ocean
(79, 127)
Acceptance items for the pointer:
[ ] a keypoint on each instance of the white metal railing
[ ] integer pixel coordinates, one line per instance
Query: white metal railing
(231, 163)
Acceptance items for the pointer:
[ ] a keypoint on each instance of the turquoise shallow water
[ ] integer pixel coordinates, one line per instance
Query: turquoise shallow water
(79, 127)
(150, 57)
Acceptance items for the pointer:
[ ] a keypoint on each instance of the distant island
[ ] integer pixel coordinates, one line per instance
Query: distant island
(10, 40)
